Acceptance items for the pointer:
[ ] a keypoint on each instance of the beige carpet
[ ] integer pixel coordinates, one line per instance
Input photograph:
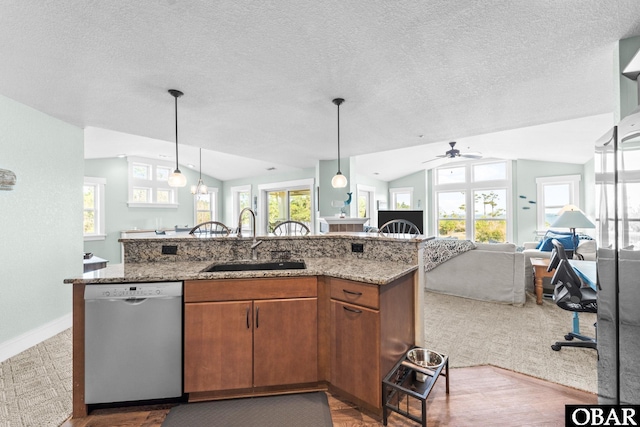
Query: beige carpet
(517, 338)
(35, 385)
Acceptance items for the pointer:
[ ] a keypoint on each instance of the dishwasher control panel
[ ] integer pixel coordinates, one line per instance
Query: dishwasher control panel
(133, 290)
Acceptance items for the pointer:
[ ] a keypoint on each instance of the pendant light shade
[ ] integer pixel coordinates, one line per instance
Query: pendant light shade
(339, 180)
(201, 188)
(176, 179)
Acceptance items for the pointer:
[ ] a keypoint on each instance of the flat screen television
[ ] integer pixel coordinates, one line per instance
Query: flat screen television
(413, 216)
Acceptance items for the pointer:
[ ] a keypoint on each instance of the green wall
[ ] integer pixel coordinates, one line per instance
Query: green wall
(41, 218)
(525, 184)
(120, 217)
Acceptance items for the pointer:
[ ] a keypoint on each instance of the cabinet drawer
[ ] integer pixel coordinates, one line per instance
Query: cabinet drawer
(355, 292)
(250, 289)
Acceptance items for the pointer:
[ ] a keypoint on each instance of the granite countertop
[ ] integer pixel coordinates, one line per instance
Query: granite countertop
(367, 271)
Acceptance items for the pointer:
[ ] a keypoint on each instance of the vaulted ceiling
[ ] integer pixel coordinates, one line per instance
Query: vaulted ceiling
(510, 79)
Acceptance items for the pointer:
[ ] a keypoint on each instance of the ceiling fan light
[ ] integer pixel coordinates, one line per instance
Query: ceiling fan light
(177, 179)
(339, 181)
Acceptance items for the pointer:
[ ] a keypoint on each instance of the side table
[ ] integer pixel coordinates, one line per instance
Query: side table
(404, 379)
(540, 266)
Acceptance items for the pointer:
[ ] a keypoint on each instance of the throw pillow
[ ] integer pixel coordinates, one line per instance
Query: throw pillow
(564, 237)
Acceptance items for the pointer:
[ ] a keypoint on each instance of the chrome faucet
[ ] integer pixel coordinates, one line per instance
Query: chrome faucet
(254, 245)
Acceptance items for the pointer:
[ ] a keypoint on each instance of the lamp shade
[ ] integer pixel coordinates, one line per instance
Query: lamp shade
(573, 219)
(339, 181)
(177, 179)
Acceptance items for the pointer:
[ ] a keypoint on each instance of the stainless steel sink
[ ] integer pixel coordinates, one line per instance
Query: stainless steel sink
(255, 266)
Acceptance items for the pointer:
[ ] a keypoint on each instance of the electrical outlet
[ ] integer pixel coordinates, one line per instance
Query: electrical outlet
(357, 247)
(169, 250)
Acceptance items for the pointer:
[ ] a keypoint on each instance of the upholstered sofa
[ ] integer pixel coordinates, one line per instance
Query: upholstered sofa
(488, 272)
(586, 250)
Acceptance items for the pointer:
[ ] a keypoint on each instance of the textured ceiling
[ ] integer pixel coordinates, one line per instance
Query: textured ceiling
(259, 77)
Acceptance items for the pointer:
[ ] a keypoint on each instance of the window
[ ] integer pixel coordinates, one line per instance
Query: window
(241, 198)
(286, 205)
(486, 187)
(291, 200)
(366, 206)
(206, 206)
(148, 184)
(401, 198)
(553, 193)
(93, 208)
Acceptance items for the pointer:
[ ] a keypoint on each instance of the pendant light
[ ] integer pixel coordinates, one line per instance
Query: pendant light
(176, 179)
(201, 188)
(339, 180)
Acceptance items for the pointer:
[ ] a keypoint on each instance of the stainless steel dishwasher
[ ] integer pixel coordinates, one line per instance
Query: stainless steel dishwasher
(133, 341)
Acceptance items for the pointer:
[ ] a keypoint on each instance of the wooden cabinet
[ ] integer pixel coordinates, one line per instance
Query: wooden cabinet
(354, 362)
(217, 346)
(371, 328)
(285, 342)
(232, 342)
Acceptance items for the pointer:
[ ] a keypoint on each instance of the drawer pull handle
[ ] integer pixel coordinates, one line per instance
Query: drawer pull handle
(248, 325)
(353, 310)
(351, 292)
(257, 317)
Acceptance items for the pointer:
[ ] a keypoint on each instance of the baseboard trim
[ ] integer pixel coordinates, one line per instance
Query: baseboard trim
(35, 336)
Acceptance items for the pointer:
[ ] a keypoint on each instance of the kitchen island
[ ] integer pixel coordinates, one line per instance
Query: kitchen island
(353, 313)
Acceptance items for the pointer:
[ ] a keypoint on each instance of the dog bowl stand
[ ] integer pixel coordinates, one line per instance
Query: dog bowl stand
(402, 381)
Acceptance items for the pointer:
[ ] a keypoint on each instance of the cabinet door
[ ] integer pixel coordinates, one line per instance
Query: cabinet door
(355, 358)
(217, 346)
(285, 341)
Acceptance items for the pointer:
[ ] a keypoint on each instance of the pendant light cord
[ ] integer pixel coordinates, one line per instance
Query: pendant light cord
(176, 110)
(339, 138)
(338, 101)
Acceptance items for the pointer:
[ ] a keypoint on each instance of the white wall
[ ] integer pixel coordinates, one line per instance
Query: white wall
(40, 219)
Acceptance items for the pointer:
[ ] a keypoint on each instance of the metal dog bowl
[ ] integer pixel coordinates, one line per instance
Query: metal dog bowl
(425, 358)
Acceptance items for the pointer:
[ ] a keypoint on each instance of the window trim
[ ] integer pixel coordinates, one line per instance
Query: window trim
(299, 184)
(373, 213)
(99, 200)
(574, 189)
(235, 202)
(469, 187)
(394, 191)
(152, 183)
(212, 191)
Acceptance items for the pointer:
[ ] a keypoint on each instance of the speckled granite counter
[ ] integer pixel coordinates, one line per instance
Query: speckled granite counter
(362, 270)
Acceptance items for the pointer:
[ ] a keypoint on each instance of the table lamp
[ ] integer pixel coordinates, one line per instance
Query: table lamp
(571, 217)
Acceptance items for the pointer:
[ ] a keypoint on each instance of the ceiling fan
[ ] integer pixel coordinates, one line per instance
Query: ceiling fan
(454, 153)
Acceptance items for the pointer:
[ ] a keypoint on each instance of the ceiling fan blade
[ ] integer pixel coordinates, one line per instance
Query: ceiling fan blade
(471, 156)
(428, 161)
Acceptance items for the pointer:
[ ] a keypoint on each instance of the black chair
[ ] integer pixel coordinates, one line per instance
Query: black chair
(570, 295)
(558, 253)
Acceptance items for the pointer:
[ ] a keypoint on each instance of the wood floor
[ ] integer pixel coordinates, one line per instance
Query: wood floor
(479, 396)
